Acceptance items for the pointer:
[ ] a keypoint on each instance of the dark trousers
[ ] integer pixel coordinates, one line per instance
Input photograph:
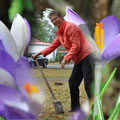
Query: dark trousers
(85, 69)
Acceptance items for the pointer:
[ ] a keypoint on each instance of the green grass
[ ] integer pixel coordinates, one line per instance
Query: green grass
(53, 73)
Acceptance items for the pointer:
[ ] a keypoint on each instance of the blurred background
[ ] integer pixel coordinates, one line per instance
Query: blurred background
(91, 11)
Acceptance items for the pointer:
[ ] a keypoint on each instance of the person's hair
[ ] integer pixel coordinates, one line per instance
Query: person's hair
(53, 12)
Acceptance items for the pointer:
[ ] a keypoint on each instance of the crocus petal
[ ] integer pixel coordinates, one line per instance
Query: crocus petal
(113, 50)
(23, 73)
(79, 115)
(8, 41)
(6, 78)
(28, 32)
(3, 111)
(9, 112)
(73, 17)
(6, 61)
(17, 114)
(23, 76)
(19, 33)
(35, 108)
(13, 98)
(111, 28)
(94, 46)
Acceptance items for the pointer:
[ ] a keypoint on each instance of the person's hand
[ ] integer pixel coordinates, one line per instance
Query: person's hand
(35, 55)
(63, 64)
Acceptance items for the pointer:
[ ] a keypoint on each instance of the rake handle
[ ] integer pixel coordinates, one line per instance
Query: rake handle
(43, 75)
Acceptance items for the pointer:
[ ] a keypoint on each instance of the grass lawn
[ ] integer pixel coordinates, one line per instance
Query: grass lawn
(61, 93)
(53, 73)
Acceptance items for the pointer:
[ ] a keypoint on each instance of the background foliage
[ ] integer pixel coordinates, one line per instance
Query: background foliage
(42, 28)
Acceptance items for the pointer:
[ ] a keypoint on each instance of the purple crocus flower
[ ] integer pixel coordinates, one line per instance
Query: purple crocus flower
(13, 42)
(111, 27)
(20, 30)
(14, 68)
(20, 73)
(111, 45)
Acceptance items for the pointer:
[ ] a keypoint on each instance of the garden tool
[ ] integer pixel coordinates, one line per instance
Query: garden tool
(57, 105)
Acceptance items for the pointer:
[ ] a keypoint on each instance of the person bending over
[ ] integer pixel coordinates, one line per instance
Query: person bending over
(78, 50)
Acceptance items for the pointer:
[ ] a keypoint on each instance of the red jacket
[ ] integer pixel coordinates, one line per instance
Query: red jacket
(74, 41)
